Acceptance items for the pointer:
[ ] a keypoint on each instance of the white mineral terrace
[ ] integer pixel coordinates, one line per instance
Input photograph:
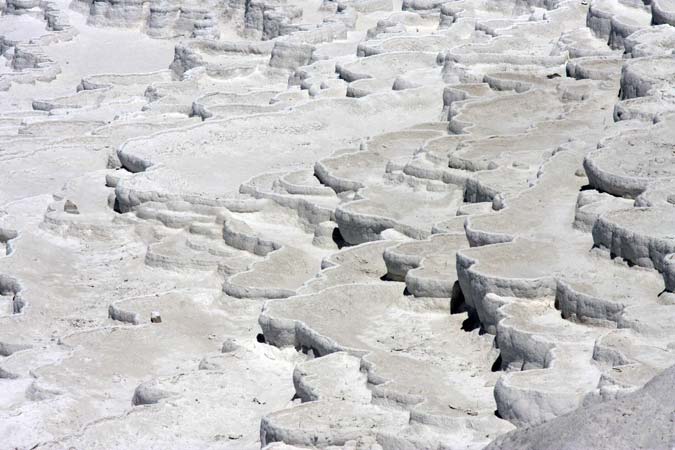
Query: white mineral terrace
(342, 224)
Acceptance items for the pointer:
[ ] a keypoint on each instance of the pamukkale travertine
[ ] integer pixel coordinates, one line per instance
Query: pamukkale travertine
(358, 224)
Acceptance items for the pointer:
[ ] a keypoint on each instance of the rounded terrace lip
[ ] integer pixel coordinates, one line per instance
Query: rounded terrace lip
(361, 224)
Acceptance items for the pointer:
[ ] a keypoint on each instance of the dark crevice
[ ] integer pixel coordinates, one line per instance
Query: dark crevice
(116, 206)
(472, 322)
(338, 239)
(497, 365)
(311, 352)
(457, 303)
(388, 277)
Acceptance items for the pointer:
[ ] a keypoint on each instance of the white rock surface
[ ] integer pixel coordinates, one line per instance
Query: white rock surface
(361, 224)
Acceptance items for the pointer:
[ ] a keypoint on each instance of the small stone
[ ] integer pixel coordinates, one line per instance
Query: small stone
(155, 317)
(229, 345)
(499, 202)
(70, 207)
(580, 173)
(209, 364)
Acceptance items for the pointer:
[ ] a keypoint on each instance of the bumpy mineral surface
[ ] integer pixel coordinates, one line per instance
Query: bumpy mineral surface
(357, 224)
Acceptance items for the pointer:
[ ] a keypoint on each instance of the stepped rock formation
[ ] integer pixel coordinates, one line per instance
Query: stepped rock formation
(358, 224)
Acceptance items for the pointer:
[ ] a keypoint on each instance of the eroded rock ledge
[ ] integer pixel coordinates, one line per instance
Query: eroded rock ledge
(350, 224)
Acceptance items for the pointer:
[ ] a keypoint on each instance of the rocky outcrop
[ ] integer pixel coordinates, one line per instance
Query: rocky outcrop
(646, 409)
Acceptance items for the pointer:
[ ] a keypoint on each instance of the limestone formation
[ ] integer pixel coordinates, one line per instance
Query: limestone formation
(355, 224)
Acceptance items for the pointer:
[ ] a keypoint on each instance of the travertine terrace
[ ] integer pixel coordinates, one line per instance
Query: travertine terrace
(358, 224)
